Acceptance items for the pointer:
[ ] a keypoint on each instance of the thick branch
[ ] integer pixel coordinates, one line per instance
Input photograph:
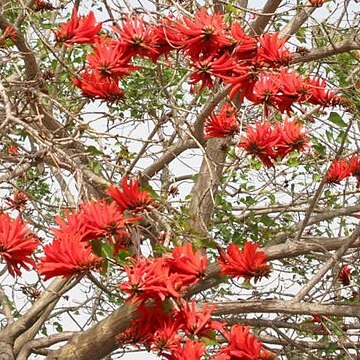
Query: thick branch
(285, 307)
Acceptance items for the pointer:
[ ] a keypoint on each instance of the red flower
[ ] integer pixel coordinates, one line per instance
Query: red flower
(130, 197)
(317, 2)
(67, 256)
(345, 275)
(18, 202)
(10, 32)
(249, 262)
(204, 35)
(197, 323)
(96, 86)
(137, 38)
(222, 125)
(338, 171)
(165, 337)
(266, 89)
(191, 350)
(320, 95)
(355, 167)
(209, 67)
(244, 47)
(242, 345)
(293, 138)
(109, 59)
(81, 30)
(261, 141)
(74, 223)
(150, 278)
(17, 244)
(13, 150)
(293, 89)
(168, 38)
(104, 220)
(190, 265)
(272, 50)
(42, 5)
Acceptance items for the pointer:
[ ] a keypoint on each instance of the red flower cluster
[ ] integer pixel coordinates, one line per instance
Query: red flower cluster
(9, 34)
(78, 30)
(345, 275)
(222, 125)
(342, 169)
(94, 221)
(42, 5)
(254, 66)
(130, 197)
(317, 2)
(18, 202)
(17, 244)
(247, 263)
(164, 277)
(269, 143)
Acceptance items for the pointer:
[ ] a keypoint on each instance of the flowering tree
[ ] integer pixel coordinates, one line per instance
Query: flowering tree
(180, 178)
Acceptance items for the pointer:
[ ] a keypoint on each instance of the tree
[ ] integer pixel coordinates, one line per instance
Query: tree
(180, 178)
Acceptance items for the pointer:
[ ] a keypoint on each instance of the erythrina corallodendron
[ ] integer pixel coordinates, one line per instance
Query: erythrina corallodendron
(257, 68)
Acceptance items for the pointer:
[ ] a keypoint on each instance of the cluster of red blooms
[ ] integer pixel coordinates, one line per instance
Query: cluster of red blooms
(254, 66)
(345, 275)
(42, 5)
(342, 169)
(9, 33)
(173, 328)
(270, 143)
(18, 202)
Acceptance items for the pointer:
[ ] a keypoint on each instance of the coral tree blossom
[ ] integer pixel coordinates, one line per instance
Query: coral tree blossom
(96, 86)
(81, 30)
(338, 171)
(190, 265)
(17, 244)
(345, 275)
(242, 345)
(222, 125)
(130, 196)
(67, 256)
(248, 263)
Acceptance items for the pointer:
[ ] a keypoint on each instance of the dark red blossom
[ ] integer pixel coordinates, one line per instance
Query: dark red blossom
(67, 256)
(261, 141)
(248, 263)
(223, 124)
(338, 171)
(137, 38)
(345, 275)
(242, 345)
(109, 59)
(317, 2)
(13, 150)
(17, 244)
(42, 5)
(204, 35)
(130, 196)
(18, 202)
(95, 86)
(80, 30)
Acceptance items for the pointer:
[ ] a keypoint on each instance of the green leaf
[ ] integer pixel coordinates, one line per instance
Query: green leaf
(336, 119)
